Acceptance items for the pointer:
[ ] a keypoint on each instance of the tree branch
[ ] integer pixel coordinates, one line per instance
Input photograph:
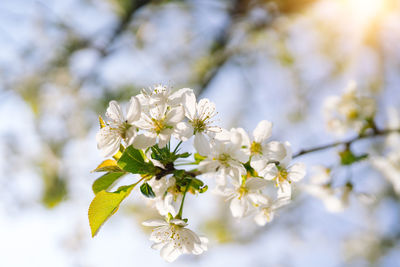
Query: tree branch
(347, 143)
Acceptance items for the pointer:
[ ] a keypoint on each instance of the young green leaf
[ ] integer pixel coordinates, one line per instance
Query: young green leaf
(108, 165)
(203, 189)
(132, 161)
(146, 190)
(104, 205)
(196, 183)
(347, 157)
(106, 181)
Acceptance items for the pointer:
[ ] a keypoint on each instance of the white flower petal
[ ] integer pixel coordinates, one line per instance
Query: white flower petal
(163, 139)
(261, 219)
(288, 158)
(258, 199)
(176, 97)
(114, 112)
(270, 172)
(183, 131)
(296, 172)
(190, 105)
(263, 131)
(256, 183)
(284, 190)
(143, 141)
(175, 115)
(238, 207)
(241, 156)
(134, 110)
(258, 163)
(274, 151)
(169, 252)
(201, 144)
(154, 223)
(200, 248)
(130, 135)
(108, 141)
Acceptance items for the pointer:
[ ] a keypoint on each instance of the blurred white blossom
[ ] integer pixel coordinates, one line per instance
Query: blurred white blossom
(352, 111)
(266, 213)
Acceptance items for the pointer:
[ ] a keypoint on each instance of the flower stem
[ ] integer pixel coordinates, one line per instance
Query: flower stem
(179, 215)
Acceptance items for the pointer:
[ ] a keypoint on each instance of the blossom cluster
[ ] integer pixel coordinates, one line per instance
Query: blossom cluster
(353, 110)
(242, 166)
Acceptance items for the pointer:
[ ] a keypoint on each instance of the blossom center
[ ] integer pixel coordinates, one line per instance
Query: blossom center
(352, 114)
(199, 125)
(159, 125)
(224, 159)
(242, 191)
(123, 128)
(282, 176)
(255, 148)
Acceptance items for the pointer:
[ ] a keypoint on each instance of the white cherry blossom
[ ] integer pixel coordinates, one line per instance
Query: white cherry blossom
(199, 116)
(389, 167)
(321, 188)
(329, 196)
(266, 212)
(226, 157)
(261, 151)
(162, 96)
(167, 198)
(160, 123)
(245, 195)
(349, 111)
(173, 239)
(119, 127)
(283, 173)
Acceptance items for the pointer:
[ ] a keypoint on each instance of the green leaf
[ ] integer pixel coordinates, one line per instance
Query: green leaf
(347, 157)
(106, 181)
(132, 161)
(104, 205)
(203, 189)
(108, 165)
(196, 183)
(146, 190)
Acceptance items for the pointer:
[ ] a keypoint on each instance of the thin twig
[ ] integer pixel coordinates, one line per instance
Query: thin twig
(374, 134)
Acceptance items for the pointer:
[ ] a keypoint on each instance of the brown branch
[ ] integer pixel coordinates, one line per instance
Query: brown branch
(123, 24)
(347, 143)
(218, 49)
